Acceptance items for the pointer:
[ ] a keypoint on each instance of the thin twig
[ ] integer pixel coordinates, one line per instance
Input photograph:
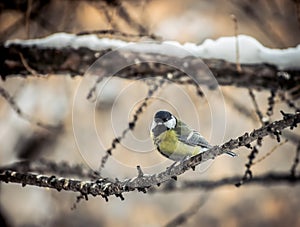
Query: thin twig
(269, 153)
(27, 67)
(131, 124)
(257, 110)
(10, 100)
(185, 216)
(241, 108)
(237, 46)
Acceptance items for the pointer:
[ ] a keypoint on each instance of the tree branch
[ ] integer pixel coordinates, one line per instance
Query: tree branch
(75, 60)
(106, 187)
(266, 179)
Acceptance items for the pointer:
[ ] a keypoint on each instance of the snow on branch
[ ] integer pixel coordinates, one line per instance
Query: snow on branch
(250, 50)
(106, 187)
(71, 54)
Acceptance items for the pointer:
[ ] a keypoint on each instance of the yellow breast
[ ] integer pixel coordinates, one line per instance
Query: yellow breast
(170, 146)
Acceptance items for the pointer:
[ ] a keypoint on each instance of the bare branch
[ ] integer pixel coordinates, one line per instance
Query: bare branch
(49, 167)
(106, 187)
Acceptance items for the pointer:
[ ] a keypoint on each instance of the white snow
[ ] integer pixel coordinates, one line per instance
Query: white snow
(250, 50)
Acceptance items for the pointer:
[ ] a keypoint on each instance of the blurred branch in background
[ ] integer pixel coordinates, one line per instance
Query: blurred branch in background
(267, 179)
(185, 216)
(10, 100)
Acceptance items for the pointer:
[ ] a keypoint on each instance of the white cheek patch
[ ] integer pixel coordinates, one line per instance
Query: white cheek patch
(171, 123)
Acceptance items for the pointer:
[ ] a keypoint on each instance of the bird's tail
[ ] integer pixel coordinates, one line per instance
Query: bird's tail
(232, 154)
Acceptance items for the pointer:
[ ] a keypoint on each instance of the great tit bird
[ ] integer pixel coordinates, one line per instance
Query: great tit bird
(176, 140)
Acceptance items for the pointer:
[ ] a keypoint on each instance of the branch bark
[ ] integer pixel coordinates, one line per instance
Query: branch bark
(107, 187)
(67, 60)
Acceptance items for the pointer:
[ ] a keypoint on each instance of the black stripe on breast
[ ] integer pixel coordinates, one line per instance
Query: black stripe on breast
(167, 156)
(159, 129)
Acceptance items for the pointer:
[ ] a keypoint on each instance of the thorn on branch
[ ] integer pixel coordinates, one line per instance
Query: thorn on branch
(140, 172)
(248, 146)
(120, 196)
(142, 190)
(259, 141)
(275, 132)
(174, 178)
(78, 199)
(287, 116)
(105, 197)
(85, 197)
(51, 180)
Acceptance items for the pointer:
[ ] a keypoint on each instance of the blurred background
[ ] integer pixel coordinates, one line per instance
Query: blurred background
(88, 128)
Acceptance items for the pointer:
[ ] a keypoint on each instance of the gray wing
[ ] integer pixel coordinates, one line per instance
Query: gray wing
(190, 136)
(193, 138)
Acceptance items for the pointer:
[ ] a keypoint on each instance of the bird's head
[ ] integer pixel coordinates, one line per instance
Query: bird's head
(163, 121)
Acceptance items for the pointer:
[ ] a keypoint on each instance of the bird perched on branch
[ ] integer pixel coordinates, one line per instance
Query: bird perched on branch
(176, 140)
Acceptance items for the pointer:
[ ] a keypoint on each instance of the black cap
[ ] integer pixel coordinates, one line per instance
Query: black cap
(163, 115)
